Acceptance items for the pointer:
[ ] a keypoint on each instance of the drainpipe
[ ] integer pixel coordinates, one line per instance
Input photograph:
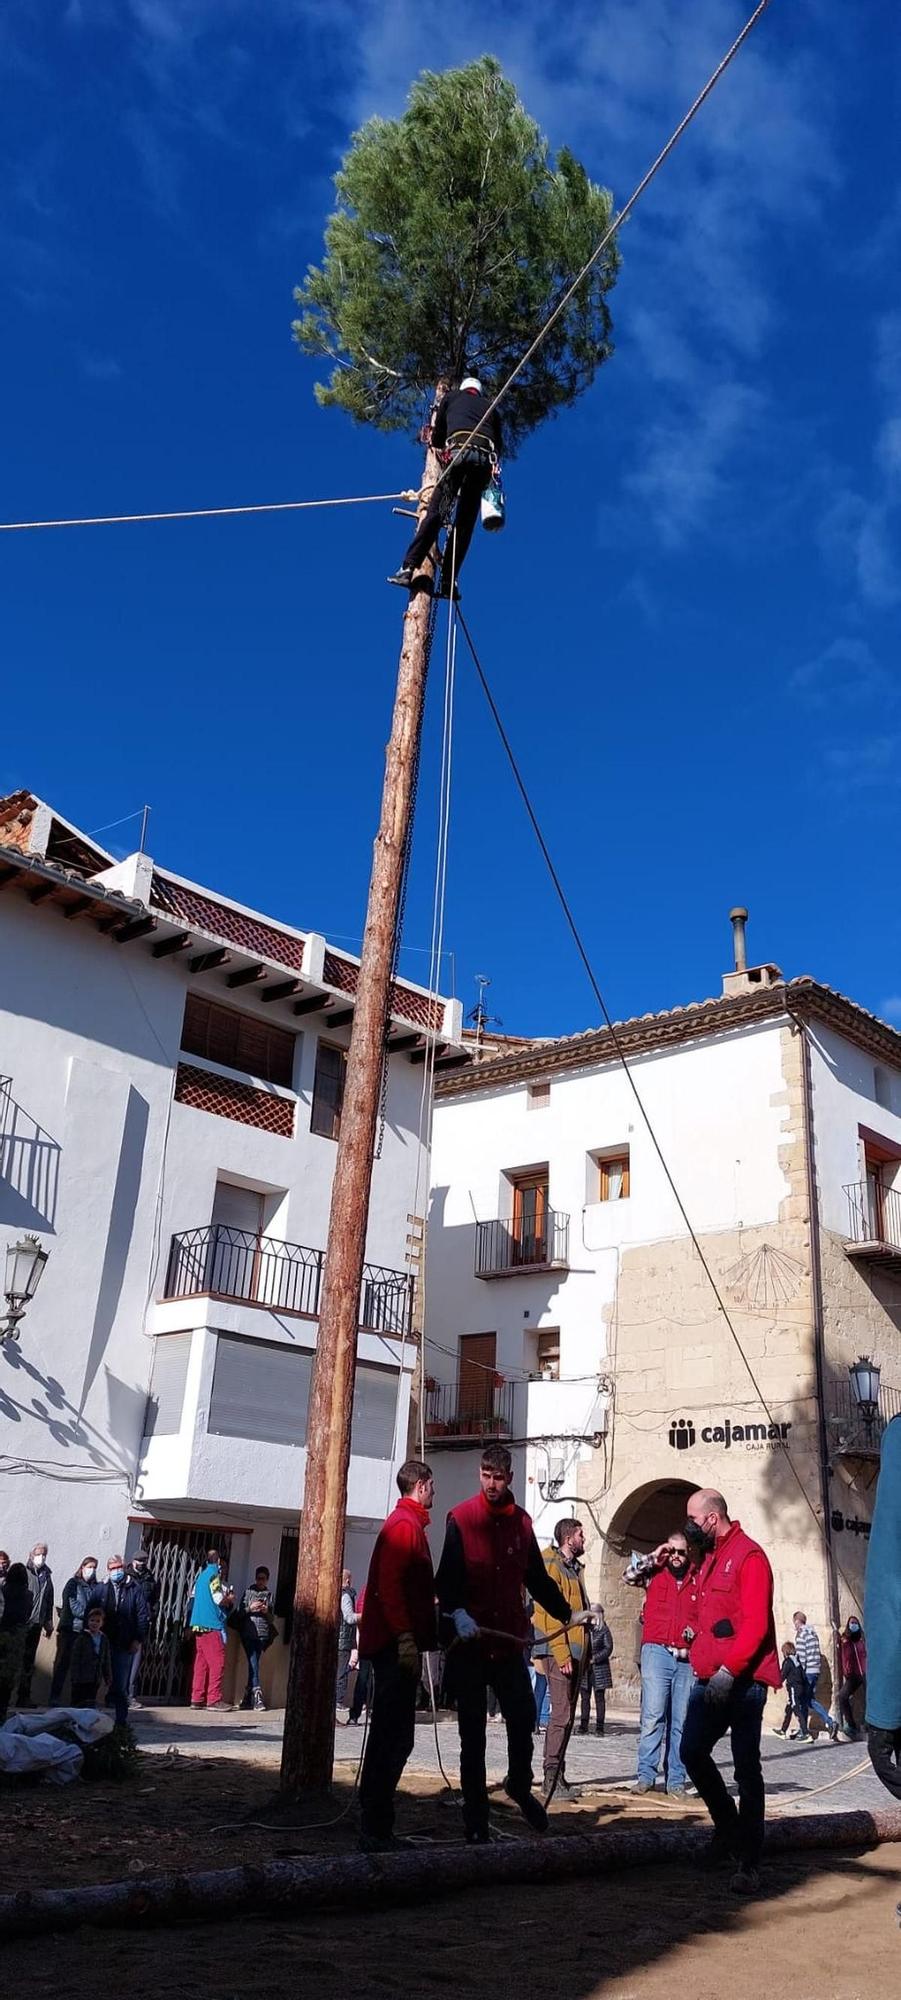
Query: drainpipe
(819, 1347)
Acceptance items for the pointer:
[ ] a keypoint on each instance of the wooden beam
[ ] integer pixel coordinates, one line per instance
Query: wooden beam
(8, 875)
(340, 1017)
(78, 908)
(206, 961)
(314, 1005)
(178, 942)
(246, 976)
(397, 1043)
(42, 890)
(138, 927)
(459, 1060)
(282, 990)
(419, 1055)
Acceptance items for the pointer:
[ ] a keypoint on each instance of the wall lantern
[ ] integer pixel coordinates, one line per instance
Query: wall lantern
(865, 1376)
(25, 1262)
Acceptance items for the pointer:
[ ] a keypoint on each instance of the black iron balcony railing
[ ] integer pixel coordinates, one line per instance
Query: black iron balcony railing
(456, 1410)
(513, 1245)
(848, 1426)
(287, 1277)
(874, 1213)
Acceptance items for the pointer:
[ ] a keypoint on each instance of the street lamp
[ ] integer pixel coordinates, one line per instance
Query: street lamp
(865, 1375)
(25, 1261)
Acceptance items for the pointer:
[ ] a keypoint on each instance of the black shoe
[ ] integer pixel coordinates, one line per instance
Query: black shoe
(599, 1729)
(444, 590)
(402, 577)
(562, 1789)
(719, 1853)
(582, 1729)
(531, 1808)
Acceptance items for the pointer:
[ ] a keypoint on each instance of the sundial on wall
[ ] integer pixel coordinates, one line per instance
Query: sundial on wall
(765, 1278)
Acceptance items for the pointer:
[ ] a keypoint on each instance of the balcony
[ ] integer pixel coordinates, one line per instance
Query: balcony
(874, 1225)
(463, 1413)
(852, 1436)
(220, 1262)
(504, 1247)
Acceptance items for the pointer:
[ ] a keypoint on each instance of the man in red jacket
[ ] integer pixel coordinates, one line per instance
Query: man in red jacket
(397, 1626)
(490, 1558)
(735, 1659)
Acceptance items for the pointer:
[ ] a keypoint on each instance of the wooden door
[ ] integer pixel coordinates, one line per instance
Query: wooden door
(530, 1219)
(478, 1360)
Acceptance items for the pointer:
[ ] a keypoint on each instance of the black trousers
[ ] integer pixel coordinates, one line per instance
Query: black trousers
(846, 1694)
(600, 1704)
(884, 1746)
(32, 1642)
(467, 481)
(705, 1723)
(362, 1691)
(392, 1732)
(473, 1674)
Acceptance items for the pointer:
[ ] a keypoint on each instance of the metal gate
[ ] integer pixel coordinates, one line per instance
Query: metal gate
(177, 1555)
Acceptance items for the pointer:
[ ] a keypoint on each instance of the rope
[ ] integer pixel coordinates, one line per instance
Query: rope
(619, 219)
(206, 513)
(623, 1060)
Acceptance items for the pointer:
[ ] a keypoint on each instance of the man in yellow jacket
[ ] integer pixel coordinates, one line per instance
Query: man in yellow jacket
(570, 1651)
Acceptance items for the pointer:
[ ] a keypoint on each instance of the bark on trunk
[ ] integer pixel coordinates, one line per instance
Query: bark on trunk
(320, 1882)
(308, 1747)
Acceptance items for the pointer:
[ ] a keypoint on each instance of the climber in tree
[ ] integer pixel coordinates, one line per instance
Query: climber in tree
(472, 441)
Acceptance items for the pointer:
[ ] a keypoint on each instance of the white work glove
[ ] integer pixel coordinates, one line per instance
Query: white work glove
(465, 1627)
(720, 1685)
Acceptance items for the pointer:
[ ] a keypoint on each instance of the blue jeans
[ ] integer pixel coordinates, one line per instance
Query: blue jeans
(542, 1693)
(705, 1723)
(808, 1702)
(254, 1649)
(121, 1666)
(665, 1688)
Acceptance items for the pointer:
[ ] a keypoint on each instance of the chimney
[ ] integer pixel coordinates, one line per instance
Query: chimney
(745, 978)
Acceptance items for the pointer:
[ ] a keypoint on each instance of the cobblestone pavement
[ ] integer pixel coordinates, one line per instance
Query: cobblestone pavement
(797, 1775)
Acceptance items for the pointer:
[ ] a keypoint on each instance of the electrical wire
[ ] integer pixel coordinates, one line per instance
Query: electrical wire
(205, 513)
(622, 1058)
(617, 223)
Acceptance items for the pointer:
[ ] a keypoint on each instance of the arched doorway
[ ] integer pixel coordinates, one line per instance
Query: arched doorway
(645, 1517)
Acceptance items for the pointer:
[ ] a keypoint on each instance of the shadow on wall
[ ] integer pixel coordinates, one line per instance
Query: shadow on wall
(119, 1234)
(63, 1422)
(29, 1170)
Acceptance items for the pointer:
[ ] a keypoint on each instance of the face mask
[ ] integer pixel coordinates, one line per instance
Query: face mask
(116, 1575)
(698, 1538)
(854, 1631)
(37, 1562)
(89, 1572)
(140, 1562)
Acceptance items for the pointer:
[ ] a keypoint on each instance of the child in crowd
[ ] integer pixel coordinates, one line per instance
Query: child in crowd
(793, 1683)
(91, 1668)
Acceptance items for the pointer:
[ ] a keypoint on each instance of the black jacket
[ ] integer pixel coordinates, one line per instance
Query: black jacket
(124, 1619)
(77, 1595)
(461, 410)
(148, 1587)
(40, 1584)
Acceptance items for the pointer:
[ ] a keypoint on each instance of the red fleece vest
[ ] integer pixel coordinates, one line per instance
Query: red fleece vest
(667, 1609)
(720, 1600)
(496, 1543)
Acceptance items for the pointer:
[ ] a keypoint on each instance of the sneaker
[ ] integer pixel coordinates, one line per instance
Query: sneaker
(645, 1785)
(531, 1808)
(719, 1853)
(676, 1792)
(780, 1732)
(223, 1707)
(258, 1701)
(403, 578)
(833, 1731)
(745, 1881)
(342, 1717)
(198, 1704)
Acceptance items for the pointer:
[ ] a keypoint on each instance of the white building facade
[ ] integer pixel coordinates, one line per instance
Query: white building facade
(569, 1311)
(171, 1079)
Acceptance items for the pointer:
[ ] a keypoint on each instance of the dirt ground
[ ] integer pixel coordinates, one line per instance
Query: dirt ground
(824, 1928)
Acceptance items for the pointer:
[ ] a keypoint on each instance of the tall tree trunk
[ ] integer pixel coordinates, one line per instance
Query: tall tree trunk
(309, 1739)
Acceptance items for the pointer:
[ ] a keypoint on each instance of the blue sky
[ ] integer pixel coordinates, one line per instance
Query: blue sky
(691, 620)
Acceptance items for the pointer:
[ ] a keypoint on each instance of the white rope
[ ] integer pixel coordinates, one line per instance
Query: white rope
(207, 513)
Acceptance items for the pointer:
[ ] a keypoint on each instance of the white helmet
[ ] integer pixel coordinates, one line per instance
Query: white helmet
(471, 382)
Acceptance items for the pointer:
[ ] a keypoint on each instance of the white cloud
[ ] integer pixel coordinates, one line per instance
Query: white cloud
(845, 671)
(866, 766)
(891, 1009)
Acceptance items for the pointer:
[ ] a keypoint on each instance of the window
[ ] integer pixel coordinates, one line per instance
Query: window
(530, 1217)
(549, 1354)
(613, 1176)
(168, 1376)
(328, 1090)
(538, 1096)
(262, 1390)
(237, 1041)
(478, 1361)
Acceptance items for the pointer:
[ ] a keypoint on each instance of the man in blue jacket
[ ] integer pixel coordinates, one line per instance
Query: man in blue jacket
(125, 1623)
(882, 1618)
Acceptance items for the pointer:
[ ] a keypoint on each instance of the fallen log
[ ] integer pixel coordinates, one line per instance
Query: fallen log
(309, 1884)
